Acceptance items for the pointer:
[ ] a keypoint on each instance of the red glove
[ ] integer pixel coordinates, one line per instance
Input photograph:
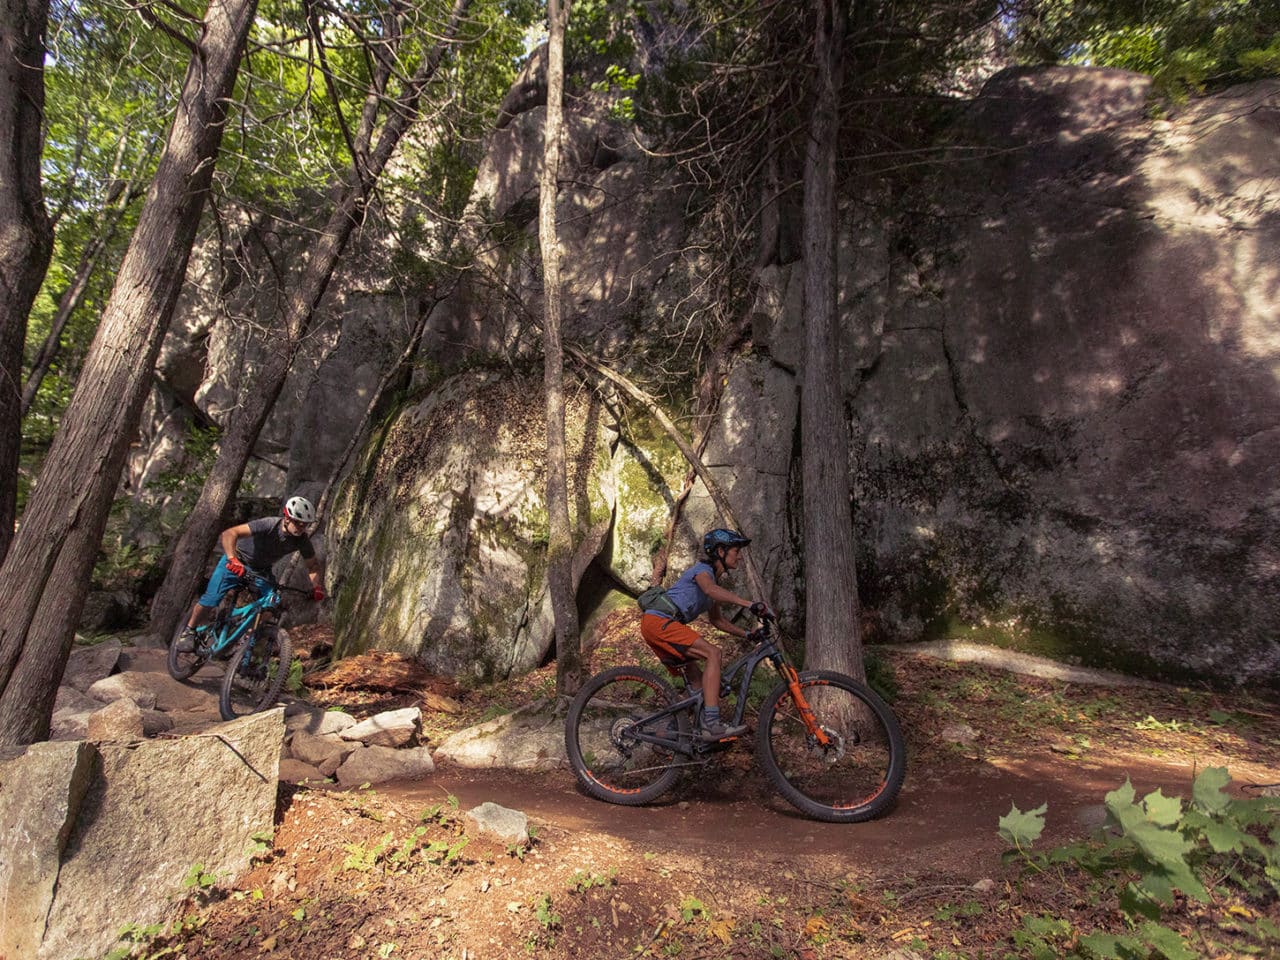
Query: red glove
(317, 594)
(235, 567)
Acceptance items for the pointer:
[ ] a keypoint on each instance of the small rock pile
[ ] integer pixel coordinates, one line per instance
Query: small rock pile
(323, 744)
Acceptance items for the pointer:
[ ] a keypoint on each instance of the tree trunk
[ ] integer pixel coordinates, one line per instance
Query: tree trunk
(564, 602)
(46, 575)
(26, 235)
(74, 294)
(258, 398)
(833, 638)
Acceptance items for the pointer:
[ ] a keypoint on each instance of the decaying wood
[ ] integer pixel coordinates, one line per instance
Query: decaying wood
(387, 672)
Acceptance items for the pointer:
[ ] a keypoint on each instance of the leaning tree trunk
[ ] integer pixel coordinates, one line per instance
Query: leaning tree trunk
(26, 235)
(46, 575)
(73, 295)
(236, 446)
(564, 604)
(832, 630)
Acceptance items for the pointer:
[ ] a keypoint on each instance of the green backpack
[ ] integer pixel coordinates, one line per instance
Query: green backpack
(656, 599)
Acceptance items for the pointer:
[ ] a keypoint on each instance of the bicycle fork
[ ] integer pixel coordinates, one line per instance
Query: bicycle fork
(810, 721)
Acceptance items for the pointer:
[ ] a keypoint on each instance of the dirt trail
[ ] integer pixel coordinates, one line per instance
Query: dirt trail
(945, 820)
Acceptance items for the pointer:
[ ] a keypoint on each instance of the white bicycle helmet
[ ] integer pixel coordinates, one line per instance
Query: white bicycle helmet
(300, 509)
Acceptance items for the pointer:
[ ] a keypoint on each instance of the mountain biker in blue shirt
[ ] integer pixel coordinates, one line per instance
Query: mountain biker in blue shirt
(259, 544)
(679, 647)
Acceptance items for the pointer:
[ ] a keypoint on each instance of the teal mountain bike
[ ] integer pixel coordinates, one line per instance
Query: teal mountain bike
(244, 631)
(829, 744)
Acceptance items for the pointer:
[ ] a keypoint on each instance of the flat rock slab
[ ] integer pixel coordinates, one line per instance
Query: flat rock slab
(501, 823)
(87, 665)
(137, 687)
(394, 728)
(530, 738)
(155, 808)
(1014, 662)
(314, 720)
(40, 794)
(381, 764)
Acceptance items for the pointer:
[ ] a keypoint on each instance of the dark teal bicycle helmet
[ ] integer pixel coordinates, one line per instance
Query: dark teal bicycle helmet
(722, 539)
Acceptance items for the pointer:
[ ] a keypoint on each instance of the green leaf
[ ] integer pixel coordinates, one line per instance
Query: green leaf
(1022, 829)
(1162, 810)
(1167, 942)
(1109, 944)
(1223, 837)
(1207, 791)
(1137, 903)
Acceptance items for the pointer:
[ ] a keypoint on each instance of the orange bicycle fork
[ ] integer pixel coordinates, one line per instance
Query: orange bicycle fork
(790, 675)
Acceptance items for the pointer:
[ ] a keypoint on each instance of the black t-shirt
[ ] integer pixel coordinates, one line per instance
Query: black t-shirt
(268, 543)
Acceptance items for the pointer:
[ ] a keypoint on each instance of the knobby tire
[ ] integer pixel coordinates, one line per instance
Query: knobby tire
(856, 776)
(253, 684)
(608, 762)
(182, 666)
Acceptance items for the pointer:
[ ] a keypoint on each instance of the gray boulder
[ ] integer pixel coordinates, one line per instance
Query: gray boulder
(502, 823)
(154, 809)
(300, 716)
(133, 686)
(87, 665)
(381, 764)
(392, 728)
(531, 738)
(41, 793)
(118, 720)
(319, 751)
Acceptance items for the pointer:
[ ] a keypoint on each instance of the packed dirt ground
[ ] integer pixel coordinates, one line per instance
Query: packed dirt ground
(722, 868)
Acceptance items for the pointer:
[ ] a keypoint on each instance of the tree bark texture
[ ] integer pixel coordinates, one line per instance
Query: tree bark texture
(26, 235)
(564, 603)
(259, 396)
(46, 574)
(832, 620)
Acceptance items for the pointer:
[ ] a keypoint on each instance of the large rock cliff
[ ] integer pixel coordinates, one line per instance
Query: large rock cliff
(1062, 379)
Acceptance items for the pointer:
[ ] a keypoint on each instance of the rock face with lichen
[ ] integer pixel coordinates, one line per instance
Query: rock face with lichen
(1063, 385)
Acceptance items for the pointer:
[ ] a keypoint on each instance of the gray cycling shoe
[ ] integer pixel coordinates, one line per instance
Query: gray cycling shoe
(187, 641)
(711, 731)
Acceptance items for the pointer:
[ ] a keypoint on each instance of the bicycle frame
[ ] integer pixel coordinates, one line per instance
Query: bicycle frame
(243, 619)
(766, 649)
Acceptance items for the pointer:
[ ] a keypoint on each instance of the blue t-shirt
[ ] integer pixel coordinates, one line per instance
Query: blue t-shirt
(688, 596)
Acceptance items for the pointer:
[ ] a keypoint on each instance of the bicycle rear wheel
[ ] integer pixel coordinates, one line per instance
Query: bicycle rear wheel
(256, 672)
(602, 733)
(857, 775)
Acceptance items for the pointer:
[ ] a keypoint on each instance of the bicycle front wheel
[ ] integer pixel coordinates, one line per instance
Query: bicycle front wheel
(857, 773)
(603, 735)
(256, 673)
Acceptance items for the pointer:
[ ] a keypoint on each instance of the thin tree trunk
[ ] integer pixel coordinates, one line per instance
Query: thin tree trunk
(46, 574)
(26, 234)
(833, 638)
(258, 398)
(691, 455)
(564, 603)
(74, 294)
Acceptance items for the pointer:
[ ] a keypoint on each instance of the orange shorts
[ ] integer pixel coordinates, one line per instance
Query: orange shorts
(670, 640)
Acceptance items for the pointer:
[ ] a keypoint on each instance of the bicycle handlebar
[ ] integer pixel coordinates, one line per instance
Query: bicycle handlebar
(270, 578)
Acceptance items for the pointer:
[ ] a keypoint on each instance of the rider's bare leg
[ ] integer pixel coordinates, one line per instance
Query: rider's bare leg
(710, 653)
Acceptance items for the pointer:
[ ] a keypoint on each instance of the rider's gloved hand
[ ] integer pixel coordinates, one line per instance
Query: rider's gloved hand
(235, 567)
(761, 610)
(755, 636)
(317, 594)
